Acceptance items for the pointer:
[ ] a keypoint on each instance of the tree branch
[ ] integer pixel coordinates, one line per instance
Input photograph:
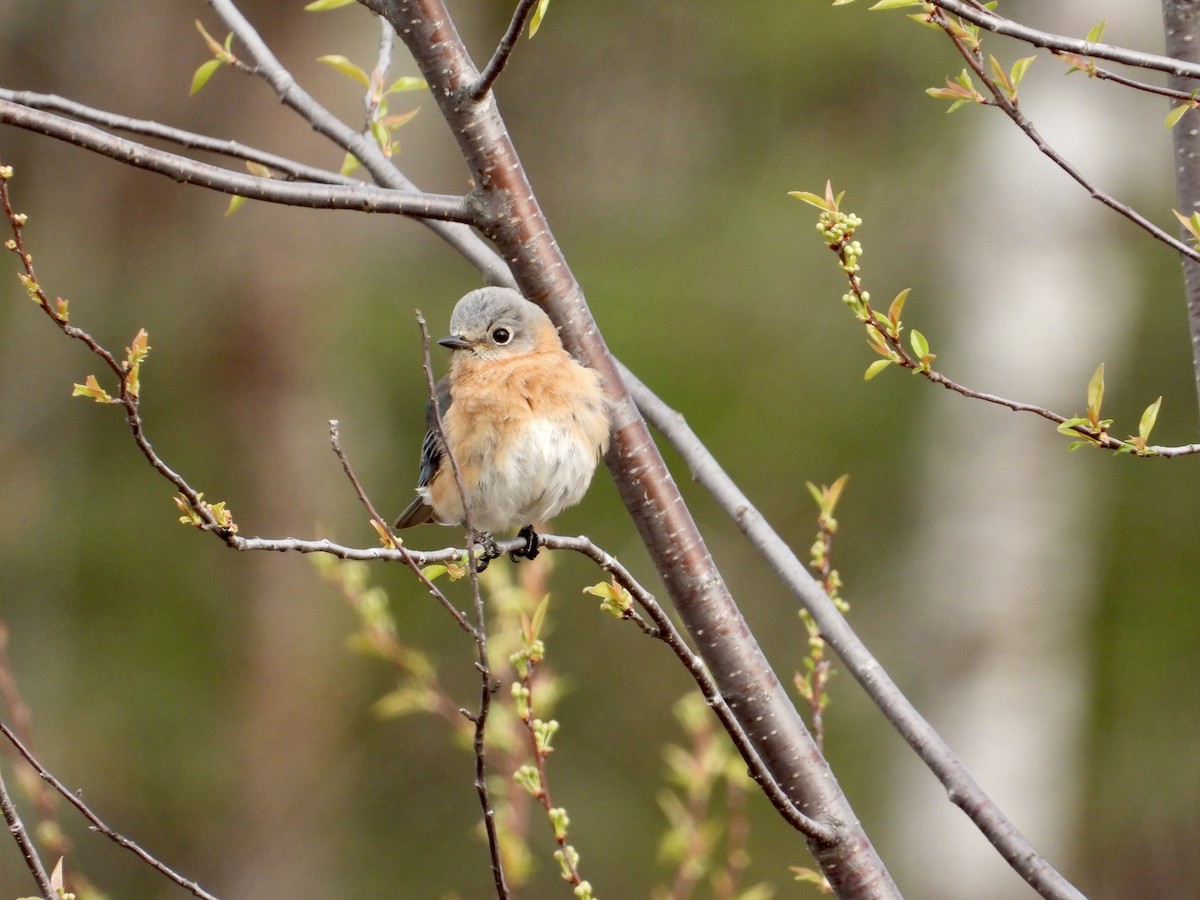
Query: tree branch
(73, 798)
(362, 197)
(503, 51)
(28, 852)
(990, 21)
(513, 220)
(961, 788)
(1000, 99)
(1181, 25)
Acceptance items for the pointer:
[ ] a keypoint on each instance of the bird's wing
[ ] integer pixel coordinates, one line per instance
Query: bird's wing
(432, 453)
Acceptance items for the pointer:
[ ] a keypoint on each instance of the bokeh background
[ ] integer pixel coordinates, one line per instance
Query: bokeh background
(1039, 607)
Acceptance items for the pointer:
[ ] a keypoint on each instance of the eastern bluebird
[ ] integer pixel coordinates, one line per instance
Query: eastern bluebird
(526, 422)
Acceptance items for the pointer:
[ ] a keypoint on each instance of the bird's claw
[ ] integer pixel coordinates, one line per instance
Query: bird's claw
(530, 550)
(491, 550)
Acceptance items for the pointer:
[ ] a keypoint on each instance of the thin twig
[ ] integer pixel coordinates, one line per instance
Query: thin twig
(458, 235)
(383, 62)
(503, 51)
(990, 21)
(480, 718)
(385, 529)
(72, 797)
(1002, 101)
(28, 852)
(669, 634)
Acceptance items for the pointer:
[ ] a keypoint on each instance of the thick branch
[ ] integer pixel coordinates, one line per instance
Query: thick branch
(962, 789)
(515, 223)
(1181, 24)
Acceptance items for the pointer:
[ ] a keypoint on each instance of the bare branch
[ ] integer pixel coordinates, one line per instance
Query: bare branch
(385, 530)
(362, 197)
(148, 128)
(997, 24)
(503, 51)
(73, 798)
(962, 789)
(28, 852)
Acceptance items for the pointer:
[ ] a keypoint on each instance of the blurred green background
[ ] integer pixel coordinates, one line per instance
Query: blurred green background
(1038, 607)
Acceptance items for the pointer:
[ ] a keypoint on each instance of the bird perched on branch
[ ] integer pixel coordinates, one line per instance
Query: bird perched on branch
(525, 422)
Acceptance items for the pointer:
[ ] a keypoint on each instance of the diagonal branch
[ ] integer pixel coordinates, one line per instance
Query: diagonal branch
(28, 852)
(503, 51)
(962, 789)
(73, 798)
(1000, 99)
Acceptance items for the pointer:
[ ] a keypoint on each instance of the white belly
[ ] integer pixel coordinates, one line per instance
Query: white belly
(548, 469)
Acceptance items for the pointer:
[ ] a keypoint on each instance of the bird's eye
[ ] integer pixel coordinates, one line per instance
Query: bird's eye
(501, 335)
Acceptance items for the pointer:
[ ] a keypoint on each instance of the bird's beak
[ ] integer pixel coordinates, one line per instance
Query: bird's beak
(454, 342)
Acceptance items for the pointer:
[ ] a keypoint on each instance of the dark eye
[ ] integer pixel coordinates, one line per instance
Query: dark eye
(501, 335)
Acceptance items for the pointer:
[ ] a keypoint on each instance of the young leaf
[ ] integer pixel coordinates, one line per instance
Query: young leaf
(406, 83)
(919, 345)
(896, 307)
(1097, 32)
(1176, 114)
(322, 5)
(875, 368)
(814, 200)
(1019, 68)
(205, 72)
(539, 616)
(217, 50)
(1095, 395)
(347, 68)
(535, 21)
(91, 388)
(1149, 417)
(1192, 225)
(235, 203)
(896, 4)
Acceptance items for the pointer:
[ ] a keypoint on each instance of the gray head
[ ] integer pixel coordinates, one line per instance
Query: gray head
(495, 321)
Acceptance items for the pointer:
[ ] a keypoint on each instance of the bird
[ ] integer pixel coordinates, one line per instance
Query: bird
(526, 423)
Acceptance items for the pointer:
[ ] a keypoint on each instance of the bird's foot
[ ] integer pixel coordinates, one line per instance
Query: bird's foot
(491, 550)
(530, 550)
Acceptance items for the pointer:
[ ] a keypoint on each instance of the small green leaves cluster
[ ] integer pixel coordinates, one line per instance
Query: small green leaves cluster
(131, 366)
(614, 598)
(381, 124)
(1091, 430)
(532, 776)
(217, 512)
(704, 806)
(1191, 224)
(1085, 64)
(817, 668)
(837, 229)
(418, 689)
